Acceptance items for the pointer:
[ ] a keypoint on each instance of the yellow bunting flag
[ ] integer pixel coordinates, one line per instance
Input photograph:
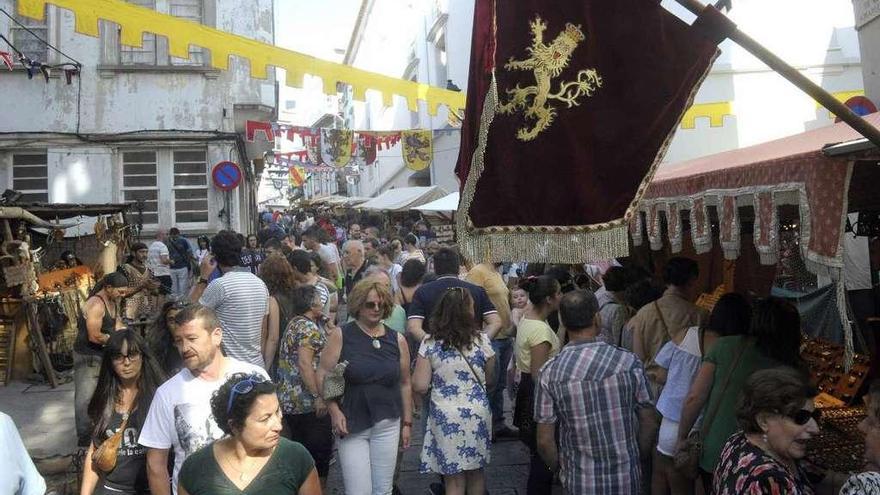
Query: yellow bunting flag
(417, 149)
(134, 21)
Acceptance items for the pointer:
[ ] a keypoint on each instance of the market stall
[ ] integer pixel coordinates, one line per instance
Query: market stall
(42, 292)
(758, 219)
(403, 199)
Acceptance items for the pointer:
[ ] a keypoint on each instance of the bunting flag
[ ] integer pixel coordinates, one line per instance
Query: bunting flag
(252, 127)
(366, 149)
(336, 147)
(7, 59)
(134, 21)
(297, 176)
(417, 149)
(577, 100)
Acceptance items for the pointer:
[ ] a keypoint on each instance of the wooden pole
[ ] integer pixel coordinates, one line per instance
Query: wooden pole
(794, 76)
(37, 336)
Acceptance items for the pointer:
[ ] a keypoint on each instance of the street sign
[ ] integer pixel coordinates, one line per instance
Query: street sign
(226, 175)
(860, 106)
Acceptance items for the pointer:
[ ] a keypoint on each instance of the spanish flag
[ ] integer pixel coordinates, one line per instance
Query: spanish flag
(570, 107)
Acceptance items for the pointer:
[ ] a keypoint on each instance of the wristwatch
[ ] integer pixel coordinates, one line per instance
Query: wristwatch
(202, 281)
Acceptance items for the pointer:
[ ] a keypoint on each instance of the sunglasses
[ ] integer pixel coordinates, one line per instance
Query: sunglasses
(244, 387)
(373, 305)
(803, 416)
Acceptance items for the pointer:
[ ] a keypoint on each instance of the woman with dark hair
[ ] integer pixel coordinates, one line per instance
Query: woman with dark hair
(411, 278)
(374, 416)
(304, 410)
(253, 457)
(162, 341)
(613, 311)
(680, 359)
(535, 343)
(204, 248)
(127, 381)
(411, 249)
(774, 339)
(277, 274)
(777, 418)
(456, 362)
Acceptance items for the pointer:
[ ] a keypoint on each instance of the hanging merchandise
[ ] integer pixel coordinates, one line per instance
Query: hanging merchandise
(417, 149)
(312, 142)
(336, 147)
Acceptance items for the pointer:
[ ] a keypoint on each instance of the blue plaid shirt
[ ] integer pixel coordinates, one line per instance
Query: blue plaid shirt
(593, 392)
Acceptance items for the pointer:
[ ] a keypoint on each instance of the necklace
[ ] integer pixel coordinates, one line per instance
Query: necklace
(240, 472)
(376, 344)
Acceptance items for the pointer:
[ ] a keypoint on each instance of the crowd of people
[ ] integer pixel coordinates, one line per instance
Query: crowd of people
(251, 364)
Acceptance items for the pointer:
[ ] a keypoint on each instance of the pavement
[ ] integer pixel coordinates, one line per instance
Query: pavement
(44, 417)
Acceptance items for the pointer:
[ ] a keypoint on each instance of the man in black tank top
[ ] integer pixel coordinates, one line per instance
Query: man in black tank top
(99, 318)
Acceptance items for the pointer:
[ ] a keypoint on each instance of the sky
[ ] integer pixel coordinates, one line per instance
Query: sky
(316, 27)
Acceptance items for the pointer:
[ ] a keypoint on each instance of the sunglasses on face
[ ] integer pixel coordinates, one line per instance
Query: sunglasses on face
(803, 416)
(375, 306)
(244, 387)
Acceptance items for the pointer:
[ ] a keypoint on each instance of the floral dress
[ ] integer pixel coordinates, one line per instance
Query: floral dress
(746, 469)
(293, 395)
(458, 435)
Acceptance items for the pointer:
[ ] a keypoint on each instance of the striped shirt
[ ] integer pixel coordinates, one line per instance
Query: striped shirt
(593, 392)
(241, 300)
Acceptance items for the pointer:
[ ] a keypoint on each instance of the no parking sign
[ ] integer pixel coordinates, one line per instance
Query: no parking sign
(226, 175)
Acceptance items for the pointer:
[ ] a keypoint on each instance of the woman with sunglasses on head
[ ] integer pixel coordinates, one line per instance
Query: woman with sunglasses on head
(127, 381)
(374, 414)
(252, 457)
(456, 362)
(777, 418)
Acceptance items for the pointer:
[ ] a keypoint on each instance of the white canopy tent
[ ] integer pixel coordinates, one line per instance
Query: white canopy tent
(404, 198)
(446, 204)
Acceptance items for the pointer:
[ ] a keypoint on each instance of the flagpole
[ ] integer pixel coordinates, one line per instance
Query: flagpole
(793, 75)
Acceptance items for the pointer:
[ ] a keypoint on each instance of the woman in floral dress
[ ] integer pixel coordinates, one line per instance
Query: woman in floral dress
(456, 362)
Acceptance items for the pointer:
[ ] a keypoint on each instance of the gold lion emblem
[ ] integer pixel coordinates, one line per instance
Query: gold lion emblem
(547, 62)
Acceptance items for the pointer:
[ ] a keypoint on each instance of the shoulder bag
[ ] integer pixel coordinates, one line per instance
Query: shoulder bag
(333, 387)
(104, 456)
(473, 371)
(687, 459)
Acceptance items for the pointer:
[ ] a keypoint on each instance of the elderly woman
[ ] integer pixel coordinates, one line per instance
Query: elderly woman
(777, 418)
(252, 457)
(375, 413)
(304, 411)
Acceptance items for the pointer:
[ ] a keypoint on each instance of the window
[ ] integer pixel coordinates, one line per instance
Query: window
(146, 54)
(190, 10)
(140, 183)
(190, 186)
(30, 176)
(26, 42)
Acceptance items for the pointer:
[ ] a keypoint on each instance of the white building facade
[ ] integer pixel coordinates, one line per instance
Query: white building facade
(137, 126)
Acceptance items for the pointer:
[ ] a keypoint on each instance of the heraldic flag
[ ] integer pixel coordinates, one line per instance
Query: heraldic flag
(571, 105)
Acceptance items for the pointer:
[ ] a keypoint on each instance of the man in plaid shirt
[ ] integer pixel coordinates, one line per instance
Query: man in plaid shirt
(598, 395)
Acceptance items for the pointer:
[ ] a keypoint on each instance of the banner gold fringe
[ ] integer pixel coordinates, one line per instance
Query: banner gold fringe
(134, 21)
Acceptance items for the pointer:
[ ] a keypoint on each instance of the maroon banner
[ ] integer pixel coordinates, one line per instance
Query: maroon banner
(571, 104)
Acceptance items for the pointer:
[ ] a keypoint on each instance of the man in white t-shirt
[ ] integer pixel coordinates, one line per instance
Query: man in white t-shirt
(180, 415)
(159, 262)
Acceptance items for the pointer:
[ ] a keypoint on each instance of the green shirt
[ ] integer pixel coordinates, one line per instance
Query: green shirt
(283, 474)
(722, 355)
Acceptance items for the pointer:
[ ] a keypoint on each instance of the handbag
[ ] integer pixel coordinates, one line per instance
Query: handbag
(687, 459)
(104, 456)
(334, 383)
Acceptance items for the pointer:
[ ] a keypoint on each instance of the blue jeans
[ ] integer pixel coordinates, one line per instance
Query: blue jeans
(503, 352)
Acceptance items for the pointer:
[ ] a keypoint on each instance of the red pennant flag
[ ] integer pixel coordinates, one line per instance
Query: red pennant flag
(251, 127)
(7, 59)
(571, 104)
